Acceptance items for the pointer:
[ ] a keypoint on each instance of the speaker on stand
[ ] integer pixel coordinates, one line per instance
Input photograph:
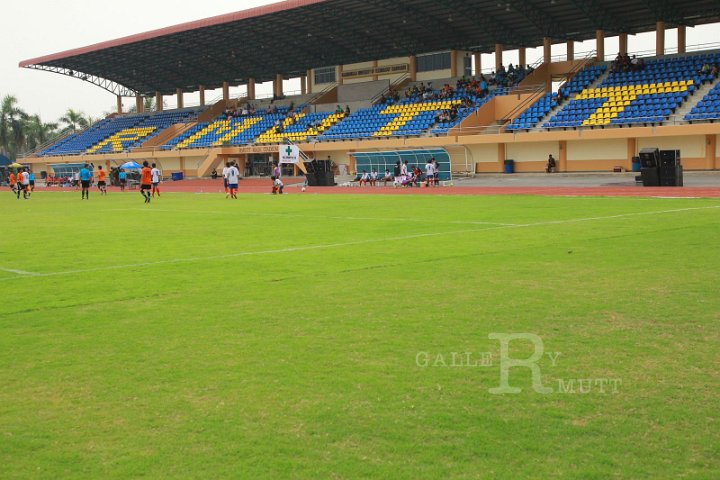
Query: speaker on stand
(650, 167)
(671, 174)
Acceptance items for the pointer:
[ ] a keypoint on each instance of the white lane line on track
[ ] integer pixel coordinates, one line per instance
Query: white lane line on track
(25, 274)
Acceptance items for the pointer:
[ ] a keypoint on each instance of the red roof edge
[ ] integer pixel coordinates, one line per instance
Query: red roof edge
(183, 27)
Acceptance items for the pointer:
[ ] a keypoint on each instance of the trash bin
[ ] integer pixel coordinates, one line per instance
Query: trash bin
(509, 166)
(636, 164)
(177, 176)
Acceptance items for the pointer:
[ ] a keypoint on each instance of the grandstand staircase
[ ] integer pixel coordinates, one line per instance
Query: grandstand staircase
(165, 136)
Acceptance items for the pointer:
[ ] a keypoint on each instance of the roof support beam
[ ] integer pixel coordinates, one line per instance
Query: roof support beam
(599, 16)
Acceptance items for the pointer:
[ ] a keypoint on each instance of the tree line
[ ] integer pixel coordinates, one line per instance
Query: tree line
(21, 132)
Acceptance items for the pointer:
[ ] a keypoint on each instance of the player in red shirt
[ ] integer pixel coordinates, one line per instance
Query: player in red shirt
(146, 181)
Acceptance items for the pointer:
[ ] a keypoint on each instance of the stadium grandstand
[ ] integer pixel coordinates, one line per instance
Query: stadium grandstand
(405, 76)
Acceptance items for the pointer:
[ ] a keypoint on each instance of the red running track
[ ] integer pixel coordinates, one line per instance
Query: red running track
(254, 185)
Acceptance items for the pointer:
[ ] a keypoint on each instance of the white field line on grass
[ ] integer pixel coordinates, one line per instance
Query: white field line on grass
(25, 274)
(300, 215)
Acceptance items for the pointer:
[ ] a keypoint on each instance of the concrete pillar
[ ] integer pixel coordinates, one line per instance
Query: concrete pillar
(278, 84)
(303, 85)
(710, 152)
(453, 63)
(631, 149)
(338, 74)
(413, 68)
(660, 38)
(159, 102)
(202, 95)
(682, 39)
(562, 161)
(251, 89)
(310, 81)
(522, 56)
(502, 156)
(600, 45)
(547, 50)
(623, 41)
(478, 63)
(375, 65)
(498, 56)
(180, 99)
(139, 104)
(226, 92)
(119, 104)
(571, 50)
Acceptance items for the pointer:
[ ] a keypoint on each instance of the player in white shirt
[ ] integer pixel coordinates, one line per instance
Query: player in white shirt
(225, 182)
(373, 177)
(156, 177)
(364, 178)
(232, 175)
(429, 173)
(25, 181)
(277, 186)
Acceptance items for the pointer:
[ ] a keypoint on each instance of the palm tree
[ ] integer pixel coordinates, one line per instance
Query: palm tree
(37, 132)
(12, 133)
(74, 120)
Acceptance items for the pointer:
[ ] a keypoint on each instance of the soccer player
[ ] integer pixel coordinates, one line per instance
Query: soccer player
(146, 181)
(32, 182)
(156, 177)
(277, 186)
(18, 183)
(429, 173)
(364, 178)
(85, 176)
(122, 178)
(232, 176)
(25, 182)
(12, 182)
(102, 175)
(225, 182)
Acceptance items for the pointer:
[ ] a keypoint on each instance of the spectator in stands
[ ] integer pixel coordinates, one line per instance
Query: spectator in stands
(551, 164)
(339, 109)
(347, 110)
(714, 71)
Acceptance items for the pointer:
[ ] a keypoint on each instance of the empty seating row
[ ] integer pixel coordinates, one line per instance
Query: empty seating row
(708, 108)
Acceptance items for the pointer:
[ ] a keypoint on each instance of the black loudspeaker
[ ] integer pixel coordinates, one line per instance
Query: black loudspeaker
(650, 176)
(669, 158)
(671, 176)
(649, 157)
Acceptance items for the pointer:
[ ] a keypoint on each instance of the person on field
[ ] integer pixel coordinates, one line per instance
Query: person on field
(429, 173)
(278, 186)
(397, 171)
(146, 181)
(25, 184)
(85, 176)
(122, 179)
(224, 172)
(364, 178)
(32, 182)
(373, 177)
(233, 176)
(12, 181)
(102, 176)
(156, 177)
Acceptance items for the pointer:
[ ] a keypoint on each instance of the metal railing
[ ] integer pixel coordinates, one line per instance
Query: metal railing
(374, 100)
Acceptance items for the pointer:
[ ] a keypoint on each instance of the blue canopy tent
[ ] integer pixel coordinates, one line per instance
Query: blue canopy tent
(131, 166)
(4, 161)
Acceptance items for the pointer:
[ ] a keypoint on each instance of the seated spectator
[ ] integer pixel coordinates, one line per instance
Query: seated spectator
(388, 177)
(373, 177)
(214, 174)
(339, 109)
(347, 110)
(551, 165)
(364, 178)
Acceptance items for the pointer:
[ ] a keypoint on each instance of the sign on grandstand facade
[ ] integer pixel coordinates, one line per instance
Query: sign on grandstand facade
(289, 154)
(372, 71)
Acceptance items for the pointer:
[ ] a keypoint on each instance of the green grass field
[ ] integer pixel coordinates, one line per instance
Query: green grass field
(311, 336)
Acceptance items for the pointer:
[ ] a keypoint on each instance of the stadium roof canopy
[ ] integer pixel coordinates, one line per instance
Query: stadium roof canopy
(296, 35)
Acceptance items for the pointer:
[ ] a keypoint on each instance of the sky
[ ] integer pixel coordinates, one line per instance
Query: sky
(34, 28)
